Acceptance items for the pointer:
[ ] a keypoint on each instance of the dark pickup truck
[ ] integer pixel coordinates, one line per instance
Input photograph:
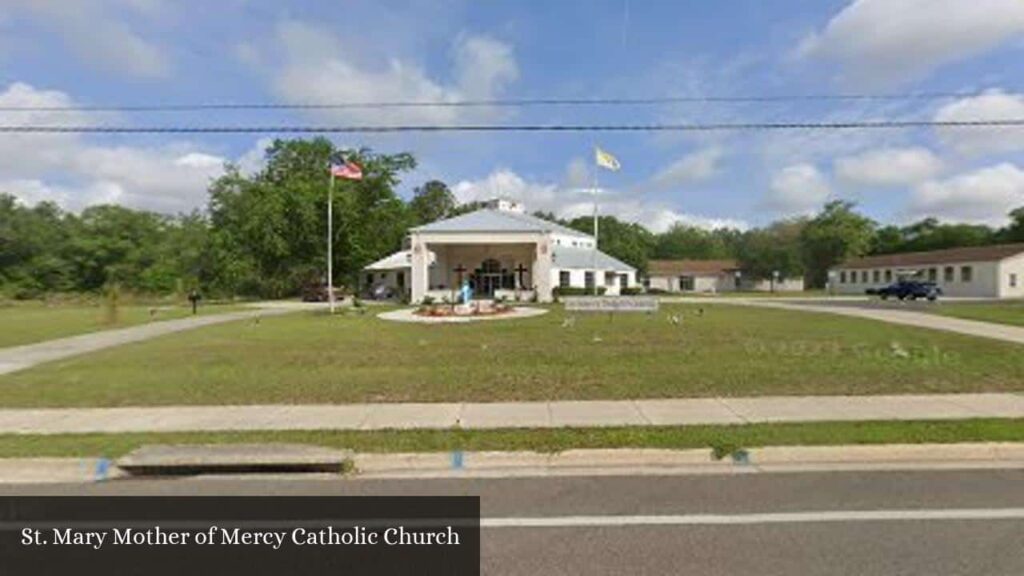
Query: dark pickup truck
(907, 289)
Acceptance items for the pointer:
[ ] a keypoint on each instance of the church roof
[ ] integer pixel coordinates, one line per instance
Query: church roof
(489, 220)
(396, 261)
(573, 257)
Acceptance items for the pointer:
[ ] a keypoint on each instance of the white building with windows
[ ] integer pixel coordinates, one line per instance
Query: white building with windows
(501, 252)
(978, 271)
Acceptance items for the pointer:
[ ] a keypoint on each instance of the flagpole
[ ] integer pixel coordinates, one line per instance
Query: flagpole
(330, 241)
(593, 255)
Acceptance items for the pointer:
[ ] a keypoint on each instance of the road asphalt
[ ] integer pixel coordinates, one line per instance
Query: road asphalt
(934, 522)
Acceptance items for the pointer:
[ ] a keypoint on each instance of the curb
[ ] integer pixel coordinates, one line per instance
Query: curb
(611, 462)
(601, 462)
(57, 470)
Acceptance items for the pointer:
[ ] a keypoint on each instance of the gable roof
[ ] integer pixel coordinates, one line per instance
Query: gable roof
(490, 220)
(572, 257)
(397, 261)
(697, 267)
(950, 255)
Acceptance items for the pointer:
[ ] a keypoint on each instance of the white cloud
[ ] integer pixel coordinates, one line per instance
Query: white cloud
(571, 203)
(694, 167)
(797, 189)
(889, 167)
(992, 105)
(318, 69)
(95, 31)
(983, 196)
(255, 158)
(898, 41)
(75, 172)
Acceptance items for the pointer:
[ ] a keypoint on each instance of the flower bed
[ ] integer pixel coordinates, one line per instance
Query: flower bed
(472, 309)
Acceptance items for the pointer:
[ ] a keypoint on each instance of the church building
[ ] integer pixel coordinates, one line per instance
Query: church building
(502, 252)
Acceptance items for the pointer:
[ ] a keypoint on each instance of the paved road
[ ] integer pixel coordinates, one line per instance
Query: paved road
(654, 412)
(811, 523)
(896, 314)
(17, 358)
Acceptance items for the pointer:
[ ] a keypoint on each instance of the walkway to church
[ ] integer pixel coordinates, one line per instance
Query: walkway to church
(16, 358)
(661, 412)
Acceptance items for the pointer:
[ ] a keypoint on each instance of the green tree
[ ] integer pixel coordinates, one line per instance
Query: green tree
(1014, 232)
(432, 202)
(835, 234)
(682, 241)
(269, 230)
(628, 241)
(776, 248)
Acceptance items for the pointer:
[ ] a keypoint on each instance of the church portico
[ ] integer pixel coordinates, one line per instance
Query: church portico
(488, 268)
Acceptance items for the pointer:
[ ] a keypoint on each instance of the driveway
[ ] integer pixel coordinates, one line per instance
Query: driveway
(908, 314)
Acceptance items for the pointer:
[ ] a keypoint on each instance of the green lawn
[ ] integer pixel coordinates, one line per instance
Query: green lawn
(727, 351)
(1009, 312)
(28, 322)
(722, 438)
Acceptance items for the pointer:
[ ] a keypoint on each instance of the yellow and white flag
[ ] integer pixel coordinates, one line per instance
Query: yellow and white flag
(606, 160)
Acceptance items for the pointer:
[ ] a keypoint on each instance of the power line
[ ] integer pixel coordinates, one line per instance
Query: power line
(510, 102)
(366, 129)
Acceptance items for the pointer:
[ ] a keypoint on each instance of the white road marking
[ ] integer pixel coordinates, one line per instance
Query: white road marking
(760, 518)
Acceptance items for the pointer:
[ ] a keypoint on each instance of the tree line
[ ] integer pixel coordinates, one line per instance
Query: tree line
(263, 234)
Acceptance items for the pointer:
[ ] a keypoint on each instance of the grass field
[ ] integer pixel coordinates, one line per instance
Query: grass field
(723, 438)
(1009, 312)
(727, 351)
(28, 322)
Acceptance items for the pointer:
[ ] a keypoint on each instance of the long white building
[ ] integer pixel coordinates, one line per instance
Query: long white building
(979, 271)
(501, 252)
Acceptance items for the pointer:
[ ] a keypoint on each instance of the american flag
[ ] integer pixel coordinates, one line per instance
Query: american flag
(349, 170)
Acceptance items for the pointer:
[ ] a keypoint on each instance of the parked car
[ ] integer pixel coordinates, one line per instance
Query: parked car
(905, 289)
(315, 292)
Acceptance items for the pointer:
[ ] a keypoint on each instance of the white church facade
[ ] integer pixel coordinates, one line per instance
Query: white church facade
(501, 252)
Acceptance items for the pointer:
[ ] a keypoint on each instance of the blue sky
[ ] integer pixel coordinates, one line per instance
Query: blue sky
(96, 52)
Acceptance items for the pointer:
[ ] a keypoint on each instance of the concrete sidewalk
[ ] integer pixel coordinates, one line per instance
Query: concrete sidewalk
(480, 416)
(17, 358)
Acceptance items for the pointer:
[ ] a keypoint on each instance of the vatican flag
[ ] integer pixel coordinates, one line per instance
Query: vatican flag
(606, 160)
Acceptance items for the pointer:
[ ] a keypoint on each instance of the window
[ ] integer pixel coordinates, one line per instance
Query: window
(369, 279)
(686, 283)
(624, 280)
(564, 279)
(933, 275)
(864, 277)
(876, 276)
(948, 274)
(1013, 280)
(400, 279)
(888, 276)
(966, 274)
(588, 280)
(842, 277)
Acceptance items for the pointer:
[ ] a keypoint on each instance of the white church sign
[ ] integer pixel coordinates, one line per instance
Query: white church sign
(612, 304)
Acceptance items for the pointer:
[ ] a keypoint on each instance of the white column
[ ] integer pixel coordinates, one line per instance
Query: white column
(419, 272)
(541, 273)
